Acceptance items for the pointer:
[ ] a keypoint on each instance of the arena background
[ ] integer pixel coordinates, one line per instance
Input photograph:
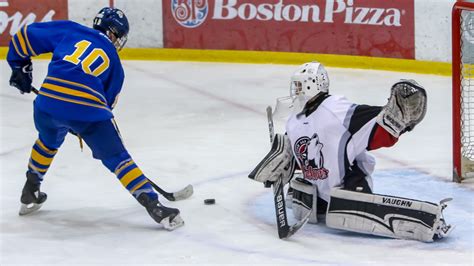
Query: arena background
(204, 124)
(401, 35)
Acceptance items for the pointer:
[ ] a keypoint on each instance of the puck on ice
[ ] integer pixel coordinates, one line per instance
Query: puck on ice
(209, 201)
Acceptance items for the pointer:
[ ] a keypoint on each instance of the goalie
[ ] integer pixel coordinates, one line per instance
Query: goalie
(329, 138)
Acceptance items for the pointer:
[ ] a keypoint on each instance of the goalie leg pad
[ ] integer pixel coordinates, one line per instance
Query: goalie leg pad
(387, 216)
(278, 162)
(304, 199)
(406, 108)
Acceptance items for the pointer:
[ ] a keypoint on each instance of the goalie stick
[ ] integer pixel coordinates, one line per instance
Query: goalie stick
(284, 230)
(181, 194)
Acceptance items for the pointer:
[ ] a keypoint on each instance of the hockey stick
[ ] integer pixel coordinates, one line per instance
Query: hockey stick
(34, 90)
(184, 193)
(284, 230)
(271, 128)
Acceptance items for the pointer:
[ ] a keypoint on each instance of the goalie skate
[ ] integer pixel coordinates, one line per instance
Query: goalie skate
(442, 229)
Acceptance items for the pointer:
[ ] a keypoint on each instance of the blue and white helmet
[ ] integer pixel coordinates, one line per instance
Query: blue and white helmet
(309, 80)
(113, 20)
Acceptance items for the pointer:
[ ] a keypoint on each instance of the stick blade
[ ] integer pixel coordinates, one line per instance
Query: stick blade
(183, 193)
(284, 229)
(294, 228)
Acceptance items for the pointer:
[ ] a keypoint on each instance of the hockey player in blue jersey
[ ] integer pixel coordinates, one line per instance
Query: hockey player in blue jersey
(82, 86)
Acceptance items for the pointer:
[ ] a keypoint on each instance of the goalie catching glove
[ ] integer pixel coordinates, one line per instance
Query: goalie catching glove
(279, 162)
(406, 108)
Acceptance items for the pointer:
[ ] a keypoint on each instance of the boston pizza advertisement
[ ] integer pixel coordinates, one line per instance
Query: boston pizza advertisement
(15, 14)
(350, 27)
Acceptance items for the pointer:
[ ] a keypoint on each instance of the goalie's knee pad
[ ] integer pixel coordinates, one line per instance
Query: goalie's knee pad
(384, 215)
(279, 162)
(304, 199)
(406, 108)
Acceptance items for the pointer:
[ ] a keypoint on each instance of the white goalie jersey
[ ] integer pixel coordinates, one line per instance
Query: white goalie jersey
(331, 141)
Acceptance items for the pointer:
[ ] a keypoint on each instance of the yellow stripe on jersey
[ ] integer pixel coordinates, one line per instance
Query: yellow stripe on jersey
(22, 42)
(139, 185)
(117, 171)
(37, 157)
(16, 48)
(72, 92)
(130, 176)
(28, 41)
(43, 147)
(77, 84)
(72, 101)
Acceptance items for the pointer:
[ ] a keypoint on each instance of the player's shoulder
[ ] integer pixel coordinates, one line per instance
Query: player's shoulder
(338, 98)
(65, 26)
(335, 100)
(338, 105)
(68, 23)
(58, 24)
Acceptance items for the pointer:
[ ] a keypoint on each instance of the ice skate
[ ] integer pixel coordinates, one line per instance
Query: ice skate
(168, 217)
(442, 229)
(31, 197)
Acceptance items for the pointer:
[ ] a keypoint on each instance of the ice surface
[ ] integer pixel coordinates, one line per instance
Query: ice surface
(204, 124)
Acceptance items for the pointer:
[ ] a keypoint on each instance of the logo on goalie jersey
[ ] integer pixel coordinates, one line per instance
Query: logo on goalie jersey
(189, 13)
(309, 153)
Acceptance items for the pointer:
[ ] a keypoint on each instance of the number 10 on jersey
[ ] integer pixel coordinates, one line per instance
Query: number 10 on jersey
(88, 59)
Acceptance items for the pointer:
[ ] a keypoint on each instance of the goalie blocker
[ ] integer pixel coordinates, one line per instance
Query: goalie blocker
(387, 216)
(279, 162)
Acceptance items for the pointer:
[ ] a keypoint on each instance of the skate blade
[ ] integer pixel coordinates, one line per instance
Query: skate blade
(175, 223)
(29, 208)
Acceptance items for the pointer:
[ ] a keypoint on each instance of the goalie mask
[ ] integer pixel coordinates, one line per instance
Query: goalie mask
(309, 80)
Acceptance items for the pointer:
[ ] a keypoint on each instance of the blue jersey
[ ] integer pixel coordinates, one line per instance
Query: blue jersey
(85, 75)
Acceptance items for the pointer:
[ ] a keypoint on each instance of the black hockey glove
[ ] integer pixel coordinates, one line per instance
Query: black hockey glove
(22, 77)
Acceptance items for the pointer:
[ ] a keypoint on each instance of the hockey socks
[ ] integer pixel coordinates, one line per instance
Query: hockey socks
(40, 159)
(133, 179)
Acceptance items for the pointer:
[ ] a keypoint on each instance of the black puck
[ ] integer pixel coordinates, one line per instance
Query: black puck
(209, 201)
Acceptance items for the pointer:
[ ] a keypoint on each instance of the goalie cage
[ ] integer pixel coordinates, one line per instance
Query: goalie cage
(463, 90)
